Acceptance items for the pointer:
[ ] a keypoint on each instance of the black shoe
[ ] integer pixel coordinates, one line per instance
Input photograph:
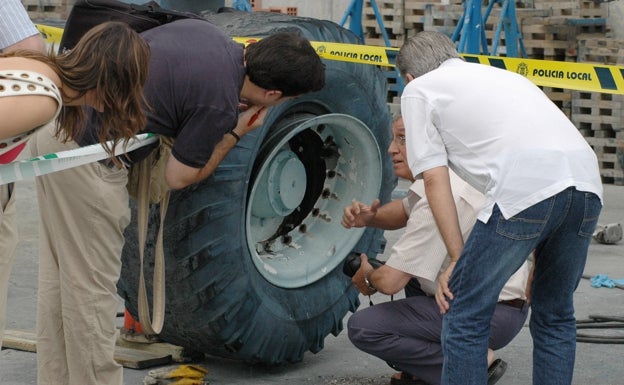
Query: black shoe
(406, 379)
(496, 371)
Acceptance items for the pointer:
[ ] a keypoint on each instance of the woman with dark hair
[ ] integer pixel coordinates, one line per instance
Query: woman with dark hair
(106, 71)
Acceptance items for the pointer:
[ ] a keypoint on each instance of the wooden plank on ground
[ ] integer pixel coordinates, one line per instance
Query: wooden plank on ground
(177, 353)
(127, 356)
(19, 340)
(139, 359)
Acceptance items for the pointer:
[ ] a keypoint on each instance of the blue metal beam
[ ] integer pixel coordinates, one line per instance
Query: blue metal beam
(354, 14)
(470, 31)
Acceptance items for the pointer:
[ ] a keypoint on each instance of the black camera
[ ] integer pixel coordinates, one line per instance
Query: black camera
(352, 263)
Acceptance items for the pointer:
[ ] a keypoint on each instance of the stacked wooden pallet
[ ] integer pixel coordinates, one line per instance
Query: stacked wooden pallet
(576, 8)
(554, 35)
(550, 38)
(292, 11)
(256, 6)
(600, 116)
(549, 28)
(392, 13)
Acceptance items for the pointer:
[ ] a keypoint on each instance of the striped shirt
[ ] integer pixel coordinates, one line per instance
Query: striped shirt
(421, 252)
(15, 25)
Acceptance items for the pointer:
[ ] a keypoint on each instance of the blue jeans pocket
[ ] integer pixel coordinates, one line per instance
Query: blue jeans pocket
(527, 224)
(590, 216)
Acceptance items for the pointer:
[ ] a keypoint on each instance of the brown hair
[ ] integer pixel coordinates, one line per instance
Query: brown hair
(111, 59)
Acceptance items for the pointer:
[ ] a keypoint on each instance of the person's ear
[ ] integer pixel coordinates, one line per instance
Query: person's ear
(273, 95)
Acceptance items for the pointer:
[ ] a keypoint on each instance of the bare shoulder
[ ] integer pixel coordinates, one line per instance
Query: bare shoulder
(21, 113)
(21, 63)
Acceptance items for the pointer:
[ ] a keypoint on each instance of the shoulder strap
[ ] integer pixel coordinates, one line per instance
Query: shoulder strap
(21, 82)
(158, 283)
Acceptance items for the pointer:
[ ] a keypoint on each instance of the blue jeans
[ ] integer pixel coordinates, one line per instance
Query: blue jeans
(559, 229)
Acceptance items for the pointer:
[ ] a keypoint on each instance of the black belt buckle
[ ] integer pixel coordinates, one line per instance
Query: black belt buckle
(517, 303)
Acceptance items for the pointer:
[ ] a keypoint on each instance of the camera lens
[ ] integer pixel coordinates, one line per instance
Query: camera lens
(352, 263)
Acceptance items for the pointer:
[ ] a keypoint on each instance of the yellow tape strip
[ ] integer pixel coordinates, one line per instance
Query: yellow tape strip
(354, 53)
(547, 73)
(556, 74)
(51, 34)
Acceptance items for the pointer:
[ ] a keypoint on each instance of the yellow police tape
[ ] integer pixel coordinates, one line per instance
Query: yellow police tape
(50, 34)
(556, 74)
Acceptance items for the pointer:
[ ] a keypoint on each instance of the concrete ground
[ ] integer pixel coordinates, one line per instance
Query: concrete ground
(339, 363)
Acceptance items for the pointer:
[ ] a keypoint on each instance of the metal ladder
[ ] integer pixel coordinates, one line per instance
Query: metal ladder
(354, 14)
(470, 30)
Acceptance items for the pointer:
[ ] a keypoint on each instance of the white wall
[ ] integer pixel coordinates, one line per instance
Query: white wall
(615, 18)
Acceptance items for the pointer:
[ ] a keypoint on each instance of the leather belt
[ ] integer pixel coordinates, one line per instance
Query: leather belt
(517, 303)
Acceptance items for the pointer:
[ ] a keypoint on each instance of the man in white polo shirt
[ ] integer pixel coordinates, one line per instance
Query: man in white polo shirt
(501, 134)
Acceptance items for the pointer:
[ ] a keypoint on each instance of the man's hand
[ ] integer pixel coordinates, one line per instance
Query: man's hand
(178, 175)
(358, 277)
(443, 292)
(250, 119)
(358, 214)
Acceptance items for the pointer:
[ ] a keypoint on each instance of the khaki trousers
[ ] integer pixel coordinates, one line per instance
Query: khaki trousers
(84, 211)
(8, 244)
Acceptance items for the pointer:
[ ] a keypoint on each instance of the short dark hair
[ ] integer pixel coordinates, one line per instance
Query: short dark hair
(285, 62)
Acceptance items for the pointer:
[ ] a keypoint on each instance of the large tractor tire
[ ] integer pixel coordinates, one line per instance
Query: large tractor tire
(254, 253)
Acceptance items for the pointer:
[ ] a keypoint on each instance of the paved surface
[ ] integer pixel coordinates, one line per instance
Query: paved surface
(339, 363)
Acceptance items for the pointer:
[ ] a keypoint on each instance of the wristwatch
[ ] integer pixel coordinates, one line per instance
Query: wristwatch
(368, 283)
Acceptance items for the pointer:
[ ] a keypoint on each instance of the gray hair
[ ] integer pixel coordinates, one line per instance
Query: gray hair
(424, 52)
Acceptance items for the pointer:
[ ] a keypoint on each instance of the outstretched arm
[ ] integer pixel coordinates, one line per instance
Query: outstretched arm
(390, 216)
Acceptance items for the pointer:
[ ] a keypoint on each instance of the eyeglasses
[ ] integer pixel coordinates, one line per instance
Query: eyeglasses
(399, 140)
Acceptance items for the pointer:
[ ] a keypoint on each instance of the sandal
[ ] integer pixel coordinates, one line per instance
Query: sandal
(496, 371)
(406, 379)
